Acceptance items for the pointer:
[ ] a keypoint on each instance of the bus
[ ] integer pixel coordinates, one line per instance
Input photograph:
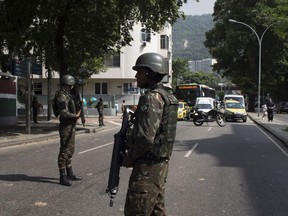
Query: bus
(189, 92)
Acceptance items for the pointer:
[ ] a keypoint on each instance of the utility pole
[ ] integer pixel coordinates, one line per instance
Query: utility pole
(49, 94)
(28, 100)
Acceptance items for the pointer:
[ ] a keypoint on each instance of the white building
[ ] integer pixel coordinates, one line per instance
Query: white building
(118, 82)
(204, 65)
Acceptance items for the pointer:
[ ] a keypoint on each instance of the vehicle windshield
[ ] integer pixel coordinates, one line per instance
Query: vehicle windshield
(234, 105)
(181, 105)
(204, 106)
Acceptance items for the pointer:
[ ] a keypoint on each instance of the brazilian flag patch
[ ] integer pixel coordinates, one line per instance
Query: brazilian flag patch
(144, 108)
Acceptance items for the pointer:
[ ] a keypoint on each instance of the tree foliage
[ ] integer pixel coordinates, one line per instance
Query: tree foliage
(73, 34)
(235, 46)
(180, 70)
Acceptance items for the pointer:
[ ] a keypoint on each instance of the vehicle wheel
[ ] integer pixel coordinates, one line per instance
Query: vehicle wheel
(244, 119)
(220, 119)
(197, 123)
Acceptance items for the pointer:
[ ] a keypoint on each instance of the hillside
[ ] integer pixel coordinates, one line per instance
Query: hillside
(188, 37)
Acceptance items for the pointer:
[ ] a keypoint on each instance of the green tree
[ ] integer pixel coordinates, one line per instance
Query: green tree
(73, 34)
(206, 78)
(180, 69)
(235, 46)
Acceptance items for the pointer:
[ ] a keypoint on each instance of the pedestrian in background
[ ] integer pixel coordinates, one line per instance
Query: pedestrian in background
(270, 109)
(35, 108)
(100, 109)
(68, 118)
(264, 109)
(116, 107)
(152, 139)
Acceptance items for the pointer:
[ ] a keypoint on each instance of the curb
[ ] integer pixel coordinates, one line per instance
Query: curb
(278, 136)
(53, 135)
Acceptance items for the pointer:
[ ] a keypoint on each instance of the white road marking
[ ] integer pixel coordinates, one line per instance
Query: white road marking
(191, 150)
(209, 128)
(98, 147)
(116, 123)
(279, 147)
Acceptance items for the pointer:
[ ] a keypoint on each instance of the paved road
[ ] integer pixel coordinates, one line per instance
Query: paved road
(236, 170)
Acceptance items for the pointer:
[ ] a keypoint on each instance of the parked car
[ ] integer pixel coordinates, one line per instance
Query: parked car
(282, 107)
(235, 110)
(183, 111)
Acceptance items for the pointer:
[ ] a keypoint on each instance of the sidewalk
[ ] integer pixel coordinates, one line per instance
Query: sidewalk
(278, 128)
(45, 130)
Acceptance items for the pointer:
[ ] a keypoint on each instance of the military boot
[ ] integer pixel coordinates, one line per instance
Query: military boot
(63, 178)
(72, 176)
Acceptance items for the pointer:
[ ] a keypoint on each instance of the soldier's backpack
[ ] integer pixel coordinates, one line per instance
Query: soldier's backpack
(55, 108)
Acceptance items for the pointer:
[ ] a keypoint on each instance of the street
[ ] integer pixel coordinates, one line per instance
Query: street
(214, 171)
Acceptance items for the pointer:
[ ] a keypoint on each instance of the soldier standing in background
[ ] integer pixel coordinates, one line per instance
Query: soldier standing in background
(123, 107)
(100, 109)
(35, 108)
(68, 118)
(152, 139)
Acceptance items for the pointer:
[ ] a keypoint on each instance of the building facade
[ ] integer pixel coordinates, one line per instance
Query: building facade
(204, 65)
(118, 82)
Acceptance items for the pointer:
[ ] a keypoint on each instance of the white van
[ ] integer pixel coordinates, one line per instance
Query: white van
(239, 98)
(204, 103)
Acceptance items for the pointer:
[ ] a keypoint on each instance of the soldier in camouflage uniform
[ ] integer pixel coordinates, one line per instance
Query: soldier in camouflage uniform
(152, 139)
(68, 118)
(100, 109)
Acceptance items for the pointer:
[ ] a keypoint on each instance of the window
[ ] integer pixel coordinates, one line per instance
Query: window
(114, 61)
(37, 88)
(164, 42)
(130, 88)
(101, 88)
(145, 35)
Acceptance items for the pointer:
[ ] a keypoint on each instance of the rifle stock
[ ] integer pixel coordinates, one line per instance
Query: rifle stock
(116, 160)
(79, 104)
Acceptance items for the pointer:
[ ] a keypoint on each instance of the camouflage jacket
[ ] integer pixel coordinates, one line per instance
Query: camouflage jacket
(151, 124)
(67, 108)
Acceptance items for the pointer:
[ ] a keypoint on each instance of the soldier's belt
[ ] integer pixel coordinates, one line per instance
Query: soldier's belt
(67, 122)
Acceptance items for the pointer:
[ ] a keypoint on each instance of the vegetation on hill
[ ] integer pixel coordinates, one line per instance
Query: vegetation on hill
(188, 37)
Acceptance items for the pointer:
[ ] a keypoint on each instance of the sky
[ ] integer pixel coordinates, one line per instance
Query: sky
(198, 8)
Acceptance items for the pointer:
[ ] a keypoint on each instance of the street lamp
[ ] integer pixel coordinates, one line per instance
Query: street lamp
(260, 44)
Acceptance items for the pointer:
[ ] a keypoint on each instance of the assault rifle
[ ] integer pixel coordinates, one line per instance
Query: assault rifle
(117, 159)
(78, 103)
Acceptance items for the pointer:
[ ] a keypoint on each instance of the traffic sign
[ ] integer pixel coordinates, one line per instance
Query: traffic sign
(19, 68)
(37, 68)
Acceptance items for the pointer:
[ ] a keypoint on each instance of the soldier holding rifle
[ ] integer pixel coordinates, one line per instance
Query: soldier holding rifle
(152, 138)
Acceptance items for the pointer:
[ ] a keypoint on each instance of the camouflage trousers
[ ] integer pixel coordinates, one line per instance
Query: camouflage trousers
(101, 117)
(145, 195)
(67, 145)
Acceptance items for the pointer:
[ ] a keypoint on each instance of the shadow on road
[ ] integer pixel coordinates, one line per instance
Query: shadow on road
(23, 177)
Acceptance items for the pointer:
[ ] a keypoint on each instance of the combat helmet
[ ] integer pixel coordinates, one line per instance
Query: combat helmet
(153, 61)
(67, 80)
